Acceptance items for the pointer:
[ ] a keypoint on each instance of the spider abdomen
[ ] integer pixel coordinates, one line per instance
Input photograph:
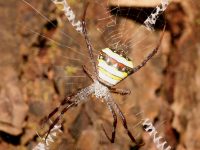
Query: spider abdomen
(113, 66)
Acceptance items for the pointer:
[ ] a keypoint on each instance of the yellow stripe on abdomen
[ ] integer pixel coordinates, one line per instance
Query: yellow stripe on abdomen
(113, 66)
(108, 79)
(111, 69)
(109, 74)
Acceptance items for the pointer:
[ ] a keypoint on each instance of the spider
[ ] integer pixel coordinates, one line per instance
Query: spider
(111, 67)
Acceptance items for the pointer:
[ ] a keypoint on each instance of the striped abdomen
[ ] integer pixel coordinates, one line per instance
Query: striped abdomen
(113, 66)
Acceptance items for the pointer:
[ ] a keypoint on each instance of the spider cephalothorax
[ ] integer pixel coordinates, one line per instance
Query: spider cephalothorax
(113, 66)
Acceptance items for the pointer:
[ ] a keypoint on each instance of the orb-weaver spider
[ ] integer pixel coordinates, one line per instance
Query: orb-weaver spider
(113, 67)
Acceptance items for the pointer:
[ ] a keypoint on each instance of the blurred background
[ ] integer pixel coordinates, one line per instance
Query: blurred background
(41, 56)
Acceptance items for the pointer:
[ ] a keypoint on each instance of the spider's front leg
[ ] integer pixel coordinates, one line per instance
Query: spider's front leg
(120, 91)
(88, 43)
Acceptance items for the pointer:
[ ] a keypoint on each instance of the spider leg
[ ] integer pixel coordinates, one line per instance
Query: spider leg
(88, 43)
(120, 91)
(126, 127)
(110, 102)
(65, 101)
(89, 74)
(59, 117)
(149, 56)
(112, 139)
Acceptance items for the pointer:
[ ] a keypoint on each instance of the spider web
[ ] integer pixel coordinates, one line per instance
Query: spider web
(113, 27)
(114, 22)
(116, 26)
(110, 24)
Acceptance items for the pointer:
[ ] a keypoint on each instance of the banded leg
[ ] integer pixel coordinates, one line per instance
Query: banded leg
(112, 139)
